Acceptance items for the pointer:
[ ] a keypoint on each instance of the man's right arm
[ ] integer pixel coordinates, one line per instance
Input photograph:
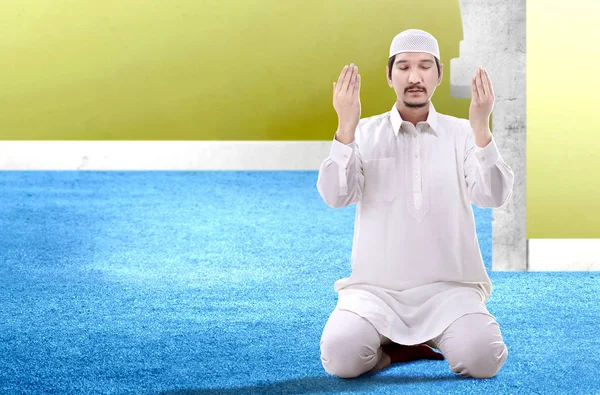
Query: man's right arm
(341, 179)
(340, 182)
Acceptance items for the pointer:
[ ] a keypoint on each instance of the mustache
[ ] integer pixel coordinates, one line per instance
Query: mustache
(415, 87)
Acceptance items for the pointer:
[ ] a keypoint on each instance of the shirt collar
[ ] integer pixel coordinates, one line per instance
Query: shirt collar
(432, 119)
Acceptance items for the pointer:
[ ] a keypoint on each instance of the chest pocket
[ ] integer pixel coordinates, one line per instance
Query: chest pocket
(380, 180)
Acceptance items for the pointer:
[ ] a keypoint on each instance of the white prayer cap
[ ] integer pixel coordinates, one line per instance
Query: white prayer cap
(415, 40)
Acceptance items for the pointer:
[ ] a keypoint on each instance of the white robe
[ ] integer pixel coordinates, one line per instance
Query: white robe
(416, 262)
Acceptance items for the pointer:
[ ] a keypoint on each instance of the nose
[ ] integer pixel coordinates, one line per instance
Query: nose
(413, 78)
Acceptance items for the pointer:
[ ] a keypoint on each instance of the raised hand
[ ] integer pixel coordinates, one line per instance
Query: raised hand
(482, 103)
(346, 101)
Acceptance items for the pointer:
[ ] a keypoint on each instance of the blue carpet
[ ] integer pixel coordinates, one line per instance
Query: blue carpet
(220, 283)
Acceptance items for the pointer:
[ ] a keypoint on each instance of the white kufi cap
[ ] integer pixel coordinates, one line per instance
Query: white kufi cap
(415, 40)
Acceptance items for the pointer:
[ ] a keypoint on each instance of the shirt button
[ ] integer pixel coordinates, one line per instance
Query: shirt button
(416, 156)
(483, 158)
(416, 176)
(414, 136)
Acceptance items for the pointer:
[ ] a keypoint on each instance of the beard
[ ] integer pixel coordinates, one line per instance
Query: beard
(416, 105)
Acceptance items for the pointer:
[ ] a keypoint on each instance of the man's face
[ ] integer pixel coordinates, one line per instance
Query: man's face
(414, 78)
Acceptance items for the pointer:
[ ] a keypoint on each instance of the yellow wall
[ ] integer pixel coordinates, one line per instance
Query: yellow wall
(563, 129)
(203, 70)
(252, 70)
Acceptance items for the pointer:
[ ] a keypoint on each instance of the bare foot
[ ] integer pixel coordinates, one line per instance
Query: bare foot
(402, 353)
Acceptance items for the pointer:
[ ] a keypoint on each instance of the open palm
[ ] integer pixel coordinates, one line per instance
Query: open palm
(482, 100)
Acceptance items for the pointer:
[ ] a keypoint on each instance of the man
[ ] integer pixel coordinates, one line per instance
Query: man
(418, 281)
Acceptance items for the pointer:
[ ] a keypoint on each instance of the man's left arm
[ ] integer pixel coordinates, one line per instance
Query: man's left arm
(489, 179)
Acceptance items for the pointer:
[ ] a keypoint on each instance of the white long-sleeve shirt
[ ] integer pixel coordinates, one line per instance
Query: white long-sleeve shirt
(416, 262)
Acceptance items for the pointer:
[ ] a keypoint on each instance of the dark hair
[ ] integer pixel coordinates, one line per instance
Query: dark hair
(393, 58)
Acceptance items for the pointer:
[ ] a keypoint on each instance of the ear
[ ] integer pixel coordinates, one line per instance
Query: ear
(387, 73)
(441, 74)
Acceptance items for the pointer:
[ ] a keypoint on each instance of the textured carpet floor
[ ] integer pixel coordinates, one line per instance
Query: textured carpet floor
(220, 283)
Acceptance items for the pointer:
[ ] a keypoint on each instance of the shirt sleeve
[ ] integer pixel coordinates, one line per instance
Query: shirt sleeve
(489, 179)
(340, 181)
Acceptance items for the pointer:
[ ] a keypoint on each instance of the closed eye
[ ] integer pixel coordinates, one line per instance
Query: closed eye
(424, 67)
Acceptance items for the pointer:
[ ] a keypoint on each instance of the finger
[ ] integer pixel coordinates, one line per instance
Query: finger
(357, 85)
(341, 77)
(488, 83)
(340, 83)
(354, 80)
(482, 83)
(352, 74)
(474, 94)
(344, 87)
(480, 93)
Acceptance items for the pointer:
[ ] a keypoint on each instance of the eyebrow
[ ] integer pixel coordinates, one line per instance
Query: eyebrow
(421, 61)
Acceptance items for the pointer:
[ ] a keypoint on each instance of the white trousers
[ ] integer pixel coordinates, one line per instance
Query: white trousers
(472, 345)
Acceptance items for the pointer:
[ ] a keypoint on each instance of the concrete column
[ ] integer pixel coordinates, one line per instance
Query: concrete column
(494, 37)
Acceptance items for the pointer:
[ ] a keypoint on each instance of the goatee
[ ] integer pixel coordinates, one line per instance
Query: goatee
(415, 105)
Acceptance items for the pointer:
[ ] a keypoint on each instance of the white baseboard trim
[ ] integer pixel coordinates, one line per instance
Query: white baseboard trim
(163, 155)
(563, 255)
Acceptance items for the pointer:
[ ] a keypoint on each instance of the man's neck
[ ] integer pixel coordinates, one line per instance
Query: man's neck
(413, 115)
